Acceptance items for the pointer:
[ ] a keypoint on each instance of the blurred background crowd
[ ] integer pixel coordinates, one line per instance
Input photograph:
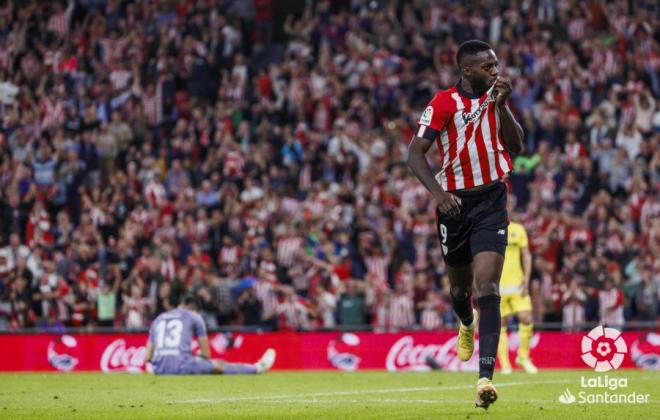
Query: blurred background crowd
(252, 152)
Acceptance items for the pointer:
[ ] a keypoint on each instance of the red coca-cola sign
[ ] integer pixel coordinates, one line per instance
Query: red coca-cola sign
(296, 351)
(120, 357)
(406, 354)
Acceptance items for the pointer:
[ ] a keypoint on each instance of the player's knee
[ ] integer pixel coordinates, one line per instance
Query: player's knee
(525, 318)
(460, 293)
(488, 288)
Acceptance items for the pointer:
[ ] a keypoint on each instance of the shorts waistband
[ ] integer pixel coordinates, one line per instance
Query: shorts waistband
(485, 190)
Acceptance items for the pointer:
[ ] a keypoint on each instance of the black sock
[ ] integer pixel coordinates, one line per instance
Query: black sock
(463, 308)
(489, 334)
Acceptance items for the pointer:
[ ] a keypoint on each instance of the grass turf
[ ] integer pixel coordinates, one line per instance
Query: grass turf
(312, 395)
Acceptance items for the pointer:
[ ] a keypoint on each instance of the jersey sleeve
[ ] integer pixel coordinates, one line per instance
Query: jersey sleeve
(199, 329)
(434, 119)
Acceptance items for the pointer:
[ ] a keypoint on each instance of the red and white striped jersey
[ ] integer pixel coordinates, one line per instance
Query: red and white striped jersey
(293, 314)
(401, 311)
(468, 137)
(611, 307)
(430, 319)
(168, 268)
(230, 255)
(287, 250)
(59, 23)
(265, 291)
(377, 267)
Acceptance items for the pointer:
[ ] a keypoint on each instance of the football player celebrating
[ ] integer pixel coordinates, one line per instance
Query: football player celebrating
(475, 131)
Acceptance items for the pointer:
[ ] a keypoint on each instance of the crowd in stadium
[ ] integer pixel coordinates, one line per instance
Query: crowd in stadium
(147, 151)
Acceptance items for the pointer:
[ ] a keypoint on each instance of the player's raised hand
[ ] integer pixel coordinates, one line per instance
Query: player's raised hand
(448, 203)
(502, 91)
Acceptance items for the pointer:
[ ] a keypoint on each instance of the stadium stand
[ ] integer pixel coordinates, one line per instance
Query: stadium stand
(253, 154)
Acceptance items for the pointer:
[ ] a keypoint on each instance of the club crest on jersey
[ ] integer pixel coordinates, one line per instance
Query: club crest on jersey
(469, 117)
(426, 116)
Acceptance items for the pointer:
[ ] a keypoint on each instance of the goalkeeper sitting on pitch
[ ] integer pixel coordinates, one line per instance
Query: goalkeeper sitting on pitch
(170, 346)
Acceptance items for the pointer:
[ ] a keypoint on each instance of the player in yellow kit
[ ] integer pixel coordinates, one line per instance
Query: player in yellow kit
(514, 290)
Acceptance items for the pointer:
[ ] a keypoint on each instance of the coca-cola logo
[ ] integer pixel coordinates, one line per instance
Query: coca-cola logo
(118, 357)
(406, 355)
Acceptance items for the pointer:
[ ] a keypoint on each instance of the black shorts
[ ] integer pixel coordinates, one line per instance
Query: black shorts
(480, 226)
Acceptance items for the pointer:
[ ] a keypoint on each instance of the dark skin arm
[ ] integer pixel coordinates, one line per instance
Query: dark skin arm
(448, 203)
(512, 132)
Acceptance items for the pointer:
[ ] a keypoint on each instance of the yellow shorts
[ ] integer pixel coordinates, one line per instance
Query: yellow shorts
(513, 303)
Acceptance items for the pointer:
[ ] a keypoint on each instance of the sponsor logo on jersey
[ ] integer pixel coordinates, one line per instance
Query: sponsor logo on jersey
(469, 117)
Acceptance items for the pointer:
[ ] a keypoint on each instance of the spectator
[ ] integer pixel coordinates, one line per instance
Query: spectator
(107, 300)
(630, 140)
(352, 305)
(292, 313)
(431, 308)
(401, 308)
(250, 307)
(326, 306)
(136, 307)
(611, 305)
(573, 311)
(646, 296)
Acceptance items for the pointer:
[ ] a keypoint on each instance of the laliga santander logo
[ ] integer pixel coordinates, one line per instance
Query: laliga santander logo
(339, 352)
(59, 351)
(603, 349)
(118, 357)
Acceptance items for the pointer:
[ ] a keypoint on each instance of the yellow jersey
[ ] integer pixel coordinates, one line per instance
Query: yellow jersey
(512, 272)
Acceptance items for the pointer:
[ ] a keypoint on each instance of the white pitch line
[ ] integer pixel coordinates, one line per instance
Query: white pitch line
(402, 401)
(362, 392)
(360, 401)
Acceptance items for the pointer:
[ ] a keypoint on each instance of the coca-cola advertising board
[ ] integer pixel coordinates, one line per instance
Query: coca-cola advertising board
(299, 351)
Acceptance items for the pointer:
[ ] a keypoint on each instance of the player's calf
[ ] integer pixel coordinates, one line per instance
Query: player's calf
(489, 334)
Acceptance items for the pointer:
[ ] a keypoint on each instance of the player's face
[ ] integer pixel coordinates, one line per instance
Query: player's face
(482, 70)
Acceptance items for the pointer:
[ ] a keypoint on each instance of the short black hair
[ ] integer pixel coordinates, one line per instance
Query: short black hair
(471, 47)
(191, 300)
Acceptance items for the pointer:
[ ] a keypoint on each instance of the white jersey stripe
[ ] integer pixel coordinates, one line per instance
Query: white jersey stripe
(472, 146)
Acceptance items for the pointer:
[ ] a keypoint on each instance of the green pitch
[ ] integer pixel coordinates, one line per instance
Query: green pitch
(333, 395)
